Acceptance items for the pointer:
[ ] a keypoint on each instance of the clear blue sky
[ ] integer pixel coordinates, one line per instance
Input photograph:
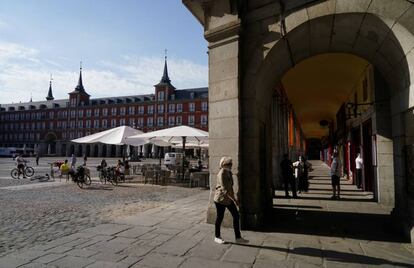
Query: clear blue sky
(116, 40)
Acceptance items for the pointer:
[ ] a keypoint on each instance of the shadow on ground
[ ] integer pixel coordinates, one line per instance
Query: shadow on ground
(332, 255)
(362, 226)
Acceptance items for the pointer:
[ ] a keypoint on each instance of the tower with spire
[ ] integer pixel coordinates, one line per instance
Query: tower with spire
(164, 89)
(49, 93)
(79, 97)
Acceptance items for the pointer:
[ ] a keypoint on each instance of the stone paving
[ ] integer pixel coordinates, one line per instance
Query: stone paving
(175, 235)
(39, 212)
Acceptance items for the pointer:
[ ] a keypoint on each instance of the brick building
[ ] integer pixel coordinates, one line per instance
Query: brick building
(48, 126)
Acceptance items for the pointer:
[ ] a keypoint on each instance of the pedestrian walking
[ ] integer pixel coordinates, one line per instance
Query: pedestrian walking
(37, 159)
(224, 198)
(286, 167)
(73, 162)
(302, 173)
(358, 170)
(336, 173)
(85, 159)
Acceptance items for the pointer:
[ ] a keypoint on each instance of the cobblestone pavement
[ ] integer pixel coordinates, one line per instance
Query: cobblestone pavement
(174, 235)
(34, 215)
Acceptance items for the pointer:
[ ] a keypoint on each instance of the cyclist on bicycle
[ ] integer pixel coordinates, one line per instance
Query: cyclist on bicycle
(21, 163)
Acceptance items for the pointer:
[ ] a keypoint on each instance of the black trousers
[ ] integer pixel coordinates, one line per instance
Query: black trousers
(289, 180)
(220, 215)
(358, 176)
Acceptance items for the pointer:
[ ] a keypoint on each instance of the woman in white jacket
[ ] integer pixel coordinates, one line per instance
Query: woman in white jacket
(224, 198)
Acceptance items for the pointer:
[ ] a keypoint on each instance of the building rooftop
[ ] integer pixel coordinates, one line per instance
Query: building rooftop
(182, 94)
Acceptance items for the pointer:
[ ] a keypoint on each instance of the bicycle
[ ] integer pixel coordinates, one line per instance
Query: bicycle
(111, 175)
(41, 178)
(81, 176)
(27, 172)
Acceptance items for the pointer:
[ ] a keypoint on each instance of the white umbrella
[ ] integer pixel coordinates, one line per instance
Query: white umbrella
(177, 134)
(116, 136)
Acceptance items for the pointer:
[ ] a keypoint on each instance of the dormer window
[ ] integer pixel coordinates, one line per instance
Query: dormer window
(160, 95)
(191, 95)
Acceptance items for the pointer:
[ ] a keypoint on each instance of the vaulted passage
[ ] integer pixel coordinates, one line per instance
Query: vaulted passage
(311, 77)
(328, 103)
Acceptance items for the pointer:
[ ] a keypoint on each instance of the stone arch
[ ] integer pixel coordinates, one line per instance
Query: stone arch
(80, 150)
(88, 150)
(382, 36)
(50, 143)
(96, 150)
(104, 150)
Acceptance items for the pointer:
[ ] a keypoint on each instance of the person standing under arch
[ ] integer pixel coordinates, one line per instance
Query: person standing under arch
(358, 170)
(286, 167)
(336, 173)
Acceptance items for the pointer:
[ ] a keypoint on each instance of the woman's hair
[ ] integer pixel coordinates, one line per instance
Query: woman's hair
(225, 160)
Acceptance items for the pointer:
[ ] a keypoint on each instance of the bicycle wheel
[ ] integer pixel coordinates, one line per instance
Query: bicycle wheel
(87, 179)
(102, 178)
(14, 173)
(114, 180)
(29, 171)
(80, 183)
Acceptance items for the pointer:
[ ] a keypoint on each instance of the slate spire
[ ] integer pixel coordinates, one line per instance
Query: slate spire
(50, 94)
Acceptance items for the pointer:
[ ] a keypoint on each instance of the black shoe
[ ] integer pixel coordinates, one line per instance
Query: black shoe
(333, 197)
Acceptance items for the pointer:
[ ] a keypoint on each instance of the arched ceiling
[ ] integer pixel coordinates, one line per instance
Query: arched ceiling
(319, 85)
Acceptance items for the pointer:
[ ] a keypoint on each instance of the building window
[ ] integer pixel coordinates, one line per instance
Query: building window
(191, 107)
(113, 111)
(160, 121)
(96, 112)
(122, 110)
(88, 113)
(131, 110)
(141, 109)
(80, 124)
(150, 121)
(191, 120)
(80, 134)
(113, 123)
(171, 108)
(204, 106)
(161, 95)
(171, 120)
(72, 124)
(140, 122)
(132, 122)
(105, 112)
(80, 113)
(122, 122)
(179, 120)
(179, 108)
(96, 123)
(73, 114)
(104, 123)
(51, 125)
(204, 119)
(150, 109)
(191, 95)
(51, 115)
(161, 108)
(64, 125)
(88, 123)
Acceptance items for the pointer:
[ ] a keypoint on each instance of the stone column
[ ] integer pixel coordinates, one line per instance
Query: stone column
(223, 103)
